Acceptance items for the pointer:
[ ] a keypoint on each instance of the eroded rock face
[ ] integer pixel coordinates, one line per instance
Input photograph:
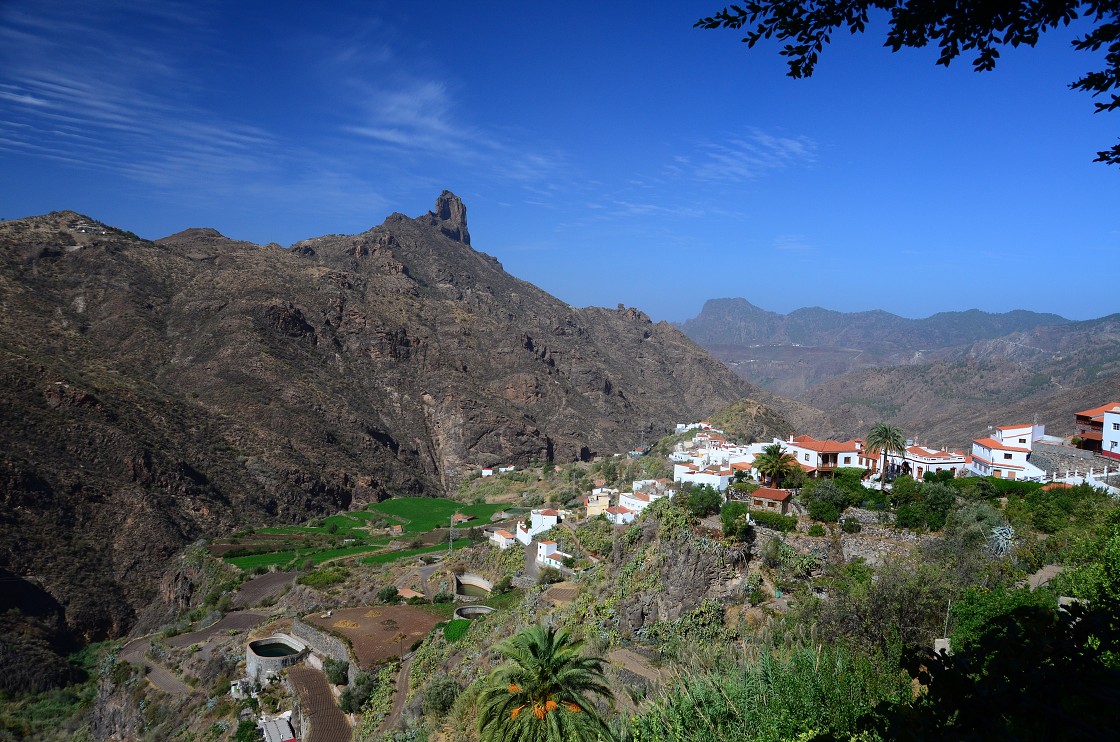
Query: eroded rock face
(687, 572)
(451, 210)
(155, 393)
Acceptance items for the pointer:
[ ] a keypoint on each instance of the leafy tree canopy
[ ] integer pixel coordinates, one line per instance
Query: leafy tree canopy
(545, 692)
(976, 28)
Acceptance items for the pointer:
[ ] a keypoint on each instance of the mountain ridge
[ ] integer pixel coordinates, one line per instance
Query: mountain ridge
(736, 322)
(155, 392)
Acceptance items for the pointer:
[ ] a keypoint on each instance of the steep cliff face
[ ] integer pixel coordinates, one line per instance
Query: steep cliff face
(154, 393)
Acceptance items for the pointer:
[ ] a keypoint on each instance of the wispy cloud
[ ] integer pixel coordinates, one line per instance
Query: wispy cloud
(81, 87)
(793, 243)
(745, 156)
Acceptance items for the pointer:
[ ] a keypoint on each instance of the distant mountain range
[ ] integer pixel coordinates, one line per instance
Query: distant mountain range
(944, 378)
(738, 322)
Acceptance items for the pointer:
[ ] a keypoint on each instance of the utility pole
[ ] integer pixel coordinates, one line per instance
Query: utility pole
(451, 534)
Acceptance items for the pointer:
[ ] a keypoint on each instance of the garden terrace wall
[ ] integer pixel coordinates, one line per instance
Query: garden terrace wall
(325, 644)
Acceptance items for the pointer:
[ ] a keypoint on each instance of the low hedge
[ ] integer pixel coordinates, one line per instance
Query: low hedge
(784, 523)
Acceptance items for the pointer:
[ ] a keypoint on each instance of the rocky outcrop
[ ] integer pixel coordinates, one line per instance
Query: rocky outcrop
(451, 217)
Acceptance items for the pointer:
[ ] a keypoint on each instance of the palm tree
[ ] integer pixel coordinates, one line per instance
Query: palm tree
(543, 693)
(774, 463)
(884, 438)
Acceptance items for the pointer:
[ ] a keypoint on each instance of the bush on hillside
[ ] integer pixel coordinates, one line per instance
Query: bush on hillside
(784, 523)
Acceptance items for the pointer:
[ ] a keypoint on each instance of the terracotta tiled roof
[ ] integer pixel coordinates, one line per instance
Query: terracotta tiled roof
(619, 510)
(770, 493)
(503, 533)
(999, 446)
(549, 511)
(1098, 411)
(811, 443)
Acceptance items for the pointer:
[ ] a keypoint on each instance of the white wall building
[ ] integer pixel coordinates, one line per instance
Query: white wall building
(502, 538)
(921, 460)
(1004, 454)
(539, 522)
(619, 515)
(1110, 434)
(549, 556)
(823, 457)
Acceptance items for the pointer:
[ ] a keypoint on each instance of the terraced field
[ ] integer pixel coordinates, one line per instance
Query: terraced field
(423, 514)
(291, 547)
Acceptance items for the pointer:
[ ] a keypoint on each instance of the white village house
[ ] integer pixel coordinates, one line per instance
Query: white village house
(502, 538)
(549, 556)
(539, 522)
(1005, 453)
(620, 515)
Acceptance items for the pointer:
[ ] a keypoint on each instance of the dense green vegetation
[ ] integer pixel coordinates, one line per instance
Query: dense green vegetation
(780, 695)
(392, 556)
(423, 514)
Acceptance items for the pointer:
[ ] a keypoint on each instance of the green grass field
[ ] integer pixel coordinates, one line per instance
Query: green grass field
(391, 556)
(417, 514)
(422, 514)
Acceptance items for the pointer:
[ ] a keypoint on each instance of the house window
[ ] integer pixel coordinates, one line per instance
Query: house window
(806, 457)
(847, 459)
(758, 503)
(1022, 440)
(1116, 426)
(1007, 456)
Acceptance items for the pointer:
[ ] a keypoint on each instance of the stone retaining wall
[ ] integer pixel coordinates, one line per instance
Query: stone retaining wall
(324, 644)
(876, 543)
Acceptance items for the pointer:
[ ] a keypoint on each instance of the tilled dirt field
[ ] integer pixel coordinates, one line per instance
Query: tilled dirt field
(374, 631)
(253, 591)
(328, 723)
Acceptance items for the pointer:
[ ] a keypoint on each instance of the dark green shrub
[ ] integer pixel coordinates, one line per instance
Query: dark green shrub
(823, 510)
(388, 594)
(337, 671)
(443, 597)
(440, 696)
(356, 695)
(502, 586)
(910, 516)
(733, 517)
(816, 530)
(850, 525)
(784, 523)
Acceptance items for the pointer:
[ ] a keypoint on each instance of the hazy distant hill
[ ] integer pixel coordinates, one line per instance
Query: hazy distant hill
(738, 322)
(154, 393)
(790, 354)
(1045, 373)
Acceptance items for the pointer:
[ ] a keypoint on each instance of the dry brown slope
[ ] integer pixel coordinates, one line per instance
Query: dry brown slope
(154, 393)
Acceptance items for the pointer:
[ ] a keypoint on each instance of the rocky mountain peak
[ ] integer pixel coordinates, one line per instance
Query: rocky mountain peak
(451, 216)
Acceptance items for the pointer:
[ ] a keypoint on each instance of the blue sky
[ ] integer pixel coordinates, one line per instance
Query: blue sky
(607, 152)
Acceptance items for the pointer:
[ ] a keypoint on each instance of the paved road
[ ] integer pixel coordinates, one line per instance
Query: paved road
(423, 573)
(532, 569)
